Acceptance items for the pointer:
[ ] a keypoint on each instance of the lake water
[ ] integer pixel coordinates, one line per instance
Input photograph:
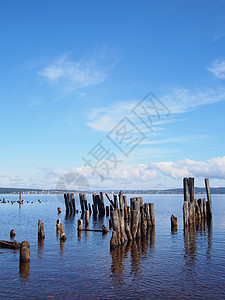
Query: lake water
(188, 264)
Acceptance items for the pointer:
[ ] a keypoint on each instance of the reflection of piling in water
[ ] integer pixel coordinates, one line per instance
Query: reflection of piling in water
(131, 223)
(24, 268)
(195, 210)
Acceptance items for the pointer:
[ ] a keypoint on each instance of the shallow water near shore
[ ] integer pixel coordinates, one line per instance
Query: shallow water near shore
(166, 265)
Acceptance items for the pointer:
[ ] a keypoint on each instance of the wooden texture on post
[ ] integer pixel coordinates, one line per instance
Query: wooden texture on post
(116, 234)
(204, 208)
(121, 200)
(62, 233)
(107, 210)
(135, 215)
(24, 252)
(85, 202)
(125, 207)
(87, 214)
(122, 227)
(115, 201)
(70, 202)
(152, 213)
(12, 233)
(173, 221)
(207, 189)
(186, 191)
(186, 213)
(41, 233)
(73, 202)
(81, 203)
(66, 203)
(80, 224)
(191, 189)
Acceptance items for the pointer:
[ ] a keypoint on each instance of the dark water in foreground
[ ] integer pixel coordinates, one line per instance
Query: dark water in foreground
(167, 265)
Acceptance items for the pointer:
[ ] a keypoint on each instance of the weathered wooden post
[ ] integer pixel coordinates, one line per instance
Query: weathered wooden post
(107, 210)
(121, 200)
(152, 213)
(70, 202)
(87, 214)
(186, 213)
(41, 234)
(185, 186)
(207, 189)
(59, 210)
(115, 201)
(125, 207)
(209, 202)
(81, 203)
(116, 234)
(173, 221)
(24, 252)
(204, 208)
(62, 233)
(110, 200)
(80, 224)
(66, 203)
(85, 201)
(12, 233)
(191, 189)
(58, 224)
(135, 216)
(73, 202)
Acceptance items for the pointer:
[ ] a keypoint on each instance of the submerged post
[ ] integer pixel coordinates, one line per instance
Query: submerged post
(24, 251)
(41, 233)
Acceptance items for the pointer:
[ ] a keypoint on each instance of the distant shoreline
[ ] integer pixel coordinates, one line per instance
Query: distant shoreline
(219, 190)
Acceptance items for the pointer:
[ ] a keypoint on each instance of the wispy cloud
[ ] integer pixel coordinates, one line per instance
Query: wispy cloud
(177, 100)
(218, 68)
(73, 75)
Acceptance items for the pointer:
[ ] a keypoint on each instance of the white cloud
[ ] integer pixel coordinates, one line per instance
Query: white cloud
(218, 68)
(74, 75)
(133, 176)
(213, 168)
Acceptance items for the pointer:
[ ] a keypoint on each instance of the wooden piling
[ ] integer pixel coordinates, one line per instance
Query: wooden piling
(185, 187)
(41, 234)
(173, 221)
(207, 189)
(121, 200)
(80, 224)
(73, 202)
(81, 203)
(191, 189)
(152, 213)
(66, 203)
(87, 214)
(186, 213)
(115, 201)
(12, 233)
(59, 210)
(24, 252)
(107, 210)
(116, 234)
(62, 233)
(135, 216)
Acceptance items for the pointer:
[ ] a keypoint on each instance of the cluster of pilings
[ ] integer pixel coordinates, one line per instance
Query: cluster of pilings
(70, 203)
(131, 222)
(97, 207)
(195, 210)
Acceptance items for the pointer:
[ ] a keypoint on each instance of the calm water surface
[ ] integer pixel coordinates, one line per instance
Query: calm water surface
(166, 265)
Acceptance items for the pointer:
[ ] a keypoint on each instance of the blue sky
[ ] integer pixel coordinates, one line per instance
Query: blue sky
(72, 73)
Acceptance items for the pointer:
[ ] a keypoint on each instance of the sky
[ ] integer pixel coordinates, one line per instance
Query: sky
(112, 94)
